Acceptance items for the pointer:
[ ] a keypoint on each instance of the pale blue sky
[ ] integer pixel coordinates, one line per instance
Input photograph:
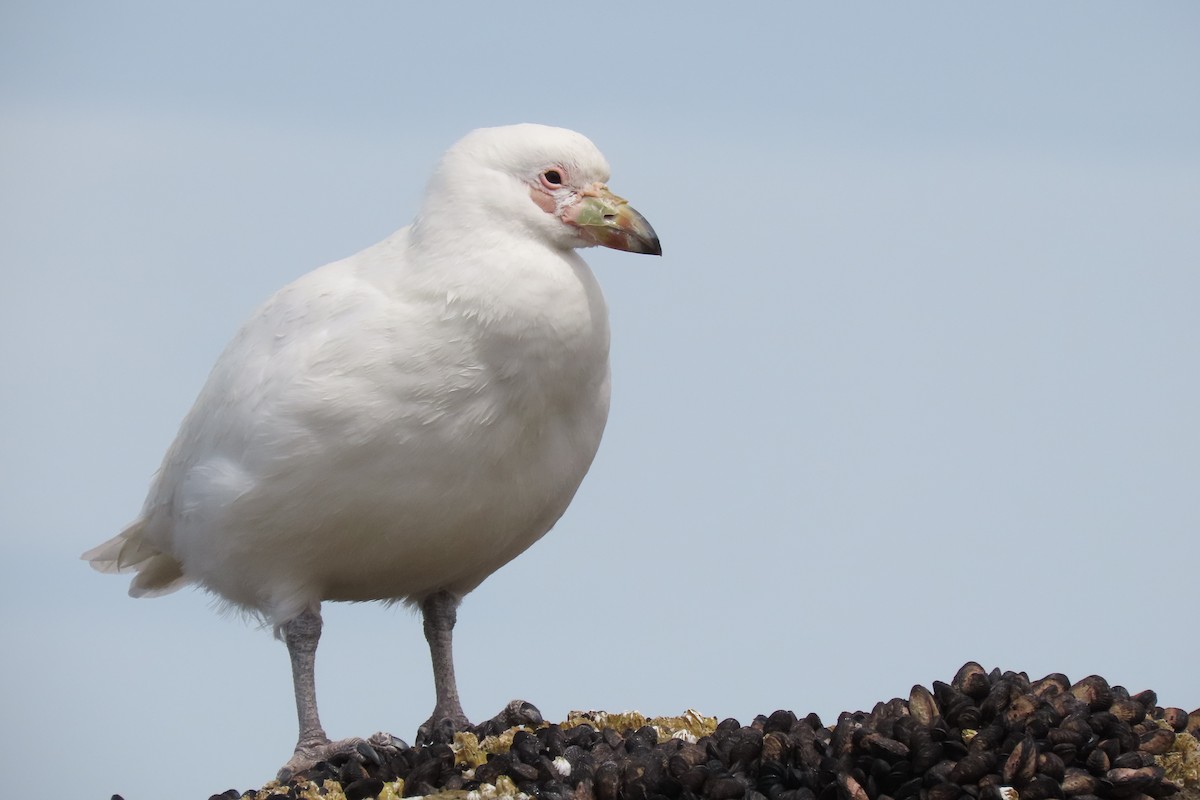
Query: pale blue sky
(914, 383)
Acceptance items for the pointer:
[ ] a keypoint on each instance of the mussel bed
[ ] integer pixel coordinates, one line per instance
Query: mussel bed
(984, 735)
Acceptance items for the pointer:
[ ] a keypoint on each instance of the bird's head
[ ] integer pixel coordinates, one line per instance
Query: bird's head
(550, 181)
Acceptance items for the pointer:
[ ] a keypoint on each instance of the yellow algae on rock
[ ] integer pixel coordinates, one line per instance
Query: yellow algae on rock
(333, 791)
(625, 720)
(506, 788)
(467, 750)
(502, 743)
(307, 790)
(1182, 762)
(691, 724)
(393, 790)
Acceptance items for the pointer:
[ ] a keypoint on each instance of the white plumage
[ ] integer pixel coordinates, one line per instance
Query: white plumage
(400, 424)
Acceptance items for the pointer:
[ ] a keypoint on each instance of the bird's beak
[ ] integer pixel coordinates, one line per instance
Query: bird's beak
(609, 221)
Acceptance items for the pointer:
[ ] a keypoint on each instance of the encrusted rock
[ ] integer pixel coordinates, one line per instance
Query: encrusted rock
(981, 736)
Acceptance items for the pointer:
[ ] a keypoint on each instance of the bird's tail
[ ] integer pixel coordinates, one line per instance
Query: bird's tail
(157, 572)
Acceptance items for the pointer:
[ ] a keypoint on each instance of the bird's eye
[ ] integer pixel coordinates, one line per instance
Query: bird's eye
(552, 179)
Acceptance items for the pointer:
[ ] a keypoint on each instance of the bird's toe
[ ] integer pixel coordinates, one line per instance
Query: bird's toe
(516, 713)
(339, 754)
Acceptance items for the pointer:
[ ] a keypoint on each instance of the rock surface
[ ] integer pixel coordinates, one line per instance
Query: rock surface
(981, 736)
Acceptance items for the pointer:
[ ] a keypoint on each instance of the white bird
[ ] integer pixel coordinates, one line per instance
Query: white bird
(400, 424)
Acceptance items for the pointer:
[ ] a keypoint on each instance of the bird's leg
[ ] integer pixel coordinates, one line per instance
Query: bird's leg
(302, 635)
(440, 611)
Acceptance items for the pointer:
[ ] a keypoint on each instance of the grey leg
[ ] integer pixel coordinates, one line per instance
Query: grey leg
(440, 613)
(302, 635)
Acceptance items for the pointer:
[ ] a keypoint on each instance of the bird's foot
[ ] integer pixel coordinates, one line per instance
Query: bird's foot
(517, 712)
(361, 751)
(441, 727)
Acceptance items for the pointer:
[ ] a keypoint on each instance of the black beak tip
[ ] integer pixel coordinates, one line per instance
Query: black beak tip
(650, 245)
